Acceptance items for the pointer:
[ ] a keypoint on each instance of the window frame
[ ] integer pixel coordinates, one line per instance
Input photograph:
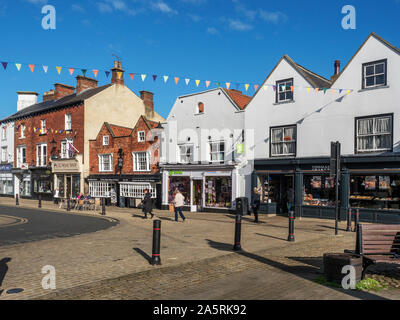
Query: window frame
(391, 115)
(63, 142)
(219, 142)
(108, 140)
(101, 165)
(19, 153)
(144, 136)
(22, 132)
(4, 150)
(198, 108)
(42, 160)
(134, 159)
(68, 122)
(295, 141)
(4, 133)
(278, 83)
(186, 145)
(43, 128)
(363, 74)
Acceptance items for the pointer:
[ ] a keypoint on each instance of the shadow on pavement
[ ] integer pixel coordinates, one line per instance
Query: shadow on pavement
(247, 218)
(266, 235)
(143, 254)
(305, 272)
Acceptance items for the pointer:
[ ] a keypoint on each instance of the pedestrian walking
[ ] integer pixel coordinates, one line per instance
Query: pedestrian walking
(256, 205)
(56, 195)
(147, 203)
(178, 203)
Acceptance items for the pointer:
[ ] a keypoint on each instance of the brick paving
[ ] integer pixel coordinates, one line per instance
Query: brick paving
(198, 262)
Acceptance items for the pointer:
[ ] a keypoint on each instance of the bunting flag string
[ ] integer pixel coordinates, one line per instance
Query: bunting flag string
(177, 78)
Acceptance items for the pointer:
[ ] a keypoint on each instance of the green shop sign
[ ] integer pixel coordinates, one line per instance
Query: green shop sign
(172, 173)
(240, 148)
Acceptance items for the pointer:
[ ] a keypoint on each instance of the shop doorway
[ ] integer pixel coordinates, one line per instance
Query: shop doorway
(197, 203)
(68, 186)
(280, 189)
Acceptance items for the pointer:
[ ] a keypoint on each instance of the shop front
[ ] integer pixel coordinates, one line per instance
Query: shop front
(22, 182)
(6, 181)
(125, 190)
(370, 184)
(42, 183)
(205, 188)
(67, 177)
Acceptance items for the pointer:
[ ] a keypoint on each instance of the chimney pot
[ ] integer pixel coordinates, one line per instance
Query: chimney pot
(337, 67)
(117, 73)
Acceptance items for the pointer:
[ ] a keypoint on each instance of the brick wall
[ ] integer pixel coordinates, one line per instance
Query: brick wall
(54, 121)
(128, 144)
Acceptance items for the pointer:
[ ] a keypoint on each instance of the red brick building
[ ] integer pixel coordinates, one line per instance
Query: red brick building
(52, 137)
(126, 161)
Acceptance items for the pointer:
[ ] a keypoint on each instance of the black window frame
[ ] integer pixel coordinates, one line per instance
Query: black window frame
(363, 74)
(277, 90)
(391, 115)
(270, 141)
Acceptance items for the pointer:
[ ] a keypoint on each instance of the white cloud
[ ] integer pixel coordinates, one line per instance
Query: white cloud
(104, 7)
(195, 17)
(212, 30)
(195, 2)
(163, 7)
(238, 25)
(273, 17)
(109, 6)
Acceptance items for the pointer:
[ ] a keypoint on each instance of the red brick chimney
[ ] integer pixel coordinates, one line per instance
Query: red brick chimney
(62, 90)
(83, 83)
(147, 98)
(336, 70)
(117, 73)
(48, 95)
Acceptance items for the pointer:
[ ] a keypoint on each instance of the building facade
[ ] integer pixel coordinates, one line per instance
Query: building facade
(202, 150)
(52, 137)
(125, 161)
(7, 159)
(296, 123)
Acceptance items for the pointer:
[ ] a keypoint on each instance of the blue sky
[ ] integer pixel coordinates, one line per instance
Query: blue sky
(234, 41)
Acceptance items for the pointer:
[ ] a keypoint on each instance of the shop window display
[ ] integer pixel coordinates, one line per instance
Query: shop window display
(42, 186)
(183, 184)
(319, 191)
(218, 192)
(375, 192)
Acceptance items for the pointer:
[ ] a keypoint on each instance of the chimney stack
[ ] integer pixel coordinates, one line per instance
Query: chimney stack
(63, 90)
(26, 99)
(48, 95)
(337, 67)
(83, 83)
(147, 98)
(117, 73)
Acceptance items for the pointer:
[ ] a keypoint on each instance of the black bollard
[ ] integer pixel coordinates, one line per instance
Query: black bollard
(16, 200)
(291, 227)
(356, 220)
(155, 258)
(349, 221)
(40, 201)
(238, 231)
(68, 205)
(103, 206)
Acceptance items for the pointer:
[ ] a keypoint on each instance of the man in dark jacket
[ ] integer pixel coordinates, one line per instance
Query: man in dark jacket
(147, 204)
(256, 205)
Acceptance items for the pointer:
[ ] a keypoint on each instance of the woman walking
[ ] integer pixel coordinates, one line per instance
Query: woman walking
(147, 204)
(179, 202)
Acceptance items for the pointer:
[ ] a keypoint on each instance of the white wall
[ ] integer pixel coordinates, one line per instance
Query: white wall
(9, 141)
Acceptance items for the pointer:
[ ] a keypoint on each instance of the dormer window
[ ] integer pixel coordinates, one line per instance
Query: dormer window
(284, 90)
(374, 74)
(200, 108)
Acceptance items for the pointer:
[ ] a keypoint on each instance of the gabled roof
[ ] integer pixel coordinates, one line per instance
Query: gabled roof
(118, 131)
(149, 123)
(53, 105)
(240, 99)
(372, 34)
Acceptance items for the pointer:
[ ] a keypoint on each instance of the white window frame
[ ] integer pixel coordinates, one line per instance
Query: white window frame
(283, 141)
(198, 108)
(374, 75)
(140, 138)
(375, 134)
(135, 156)
(183, 155)
(41, 156)
(4, 154)
(65, 148)
(3, 133)
(218, 152)
(106, 140)
(22, 131)
(68, 121)
(136, 189)
(101, 162)
(279, 85)
(20, 154)
(43, 129)
(101, 189)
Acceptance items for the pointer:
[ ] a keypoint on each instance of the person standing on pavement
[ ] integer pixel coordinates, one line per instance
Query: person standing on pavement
(178, 202)
(147, 204)
(256, 205)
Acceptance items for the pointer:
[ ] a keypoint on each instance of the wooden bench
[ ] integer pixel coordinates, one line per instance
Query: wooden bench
(377, 243)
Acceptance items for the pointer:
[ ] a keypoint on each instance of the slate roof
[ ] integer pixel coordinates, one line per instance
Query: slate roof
(52, 105)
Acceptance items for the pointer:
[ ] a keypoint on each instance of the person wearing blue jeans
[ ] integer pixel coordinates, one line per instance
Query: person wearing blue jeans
(179, 201)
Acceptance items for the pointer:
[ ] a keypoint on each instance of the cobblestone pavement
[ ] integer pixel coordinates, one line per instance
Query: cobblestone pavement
(198, 262)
